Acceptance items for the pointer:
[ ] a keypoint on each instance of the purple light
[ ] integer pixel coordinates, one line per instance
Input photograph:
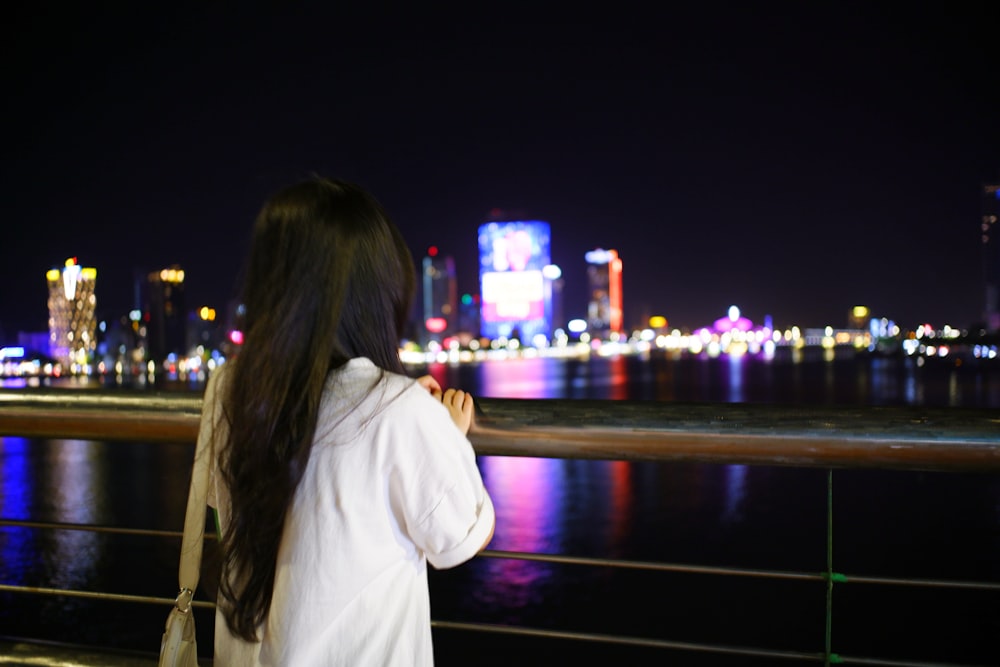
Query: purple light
(724, 324)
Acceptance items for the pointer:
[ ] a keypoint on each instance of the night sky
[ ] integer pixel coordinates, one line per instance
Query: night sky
(793, 160)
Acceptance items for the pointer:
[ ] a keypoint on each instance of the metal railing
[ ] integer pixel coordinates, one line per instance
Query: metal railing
(900, 438)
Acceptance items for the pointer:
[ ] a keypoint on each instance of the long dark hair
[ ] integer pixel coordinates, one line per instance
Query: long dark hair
(329, 278)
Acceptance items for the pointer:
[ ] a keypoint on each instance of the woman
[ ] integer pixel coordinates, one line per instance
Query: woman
(336, 478)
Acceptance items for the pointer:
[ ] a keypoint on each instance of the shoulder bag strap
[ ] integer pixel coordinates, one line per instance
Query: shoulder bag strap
(197, 502)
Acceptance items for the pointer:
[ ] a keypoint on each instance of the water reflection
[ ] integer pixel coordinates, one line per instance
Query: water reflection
(528, 519)
(60, 481)
(736, 488)
(535, 494)
(546, 377)
(524, 378)
(541, 505)
(621, 505)
(788, 378)
(17, 545)
(736, 373)
(74, 488)
(954, 391)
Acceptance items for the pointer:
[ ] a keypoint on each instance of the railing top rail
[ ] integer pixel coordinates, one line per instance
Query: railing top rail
(825, 436)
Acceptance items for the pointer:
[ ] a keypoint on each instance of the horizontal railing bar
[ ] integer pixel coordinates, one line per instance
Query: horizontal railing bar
(736, 571)
(923, 438)
(89, 528)
(95, 528)
(624, 640)
(927, 583)
(886, 662)
(96, 595)
(561, 559)
(512, 630)
(687, 646)
(101, 415)
(649, 565)
(24, 651)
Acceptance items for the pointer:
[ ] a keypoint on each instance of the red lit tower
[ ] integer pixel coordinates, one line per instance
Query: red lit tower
(604, 279)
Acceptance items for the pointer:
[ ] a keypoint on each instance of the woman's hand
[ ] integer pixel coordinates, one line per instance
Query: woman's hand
(459, 403)
(429, 383)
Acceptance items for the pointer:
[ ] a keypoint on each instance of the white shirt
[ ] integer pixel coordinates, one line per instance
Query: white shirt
(391, 483)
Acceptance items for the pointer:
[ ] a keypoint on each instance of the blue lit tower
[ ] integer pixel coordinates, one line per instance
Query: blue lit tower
(991, 256)
(72, 324)
(440, 295)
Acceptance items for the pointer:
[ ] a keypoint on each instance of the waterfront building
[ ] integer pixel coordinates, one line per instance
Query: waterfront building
(440, 292)
(72, 324)
(859, 318)
(203, 330)
(604, 283)
(554, 284)
(515, 301)
(991, 256)
(120, 350)
(468, 315)
(164, 313)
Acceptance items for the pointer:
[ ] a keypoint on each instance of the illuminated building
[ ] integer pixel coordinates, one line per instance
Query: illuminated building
(204, 329)
(604, 280)
(553, 295)
(991, 256)
(859, 317)
(515, 297)
(468, 314)
(733, 321)
(72, 326)
(440, 295)
(165, 315)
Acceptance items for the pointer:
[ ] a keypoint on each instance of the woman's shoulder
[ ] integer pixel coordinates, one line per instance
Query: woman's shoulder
(217, 381)
(367, 383)
(362, 371)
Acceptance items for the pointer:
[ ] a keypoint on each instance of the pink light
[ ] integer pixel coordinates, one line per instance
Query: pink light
(724, 324)
(236, 336)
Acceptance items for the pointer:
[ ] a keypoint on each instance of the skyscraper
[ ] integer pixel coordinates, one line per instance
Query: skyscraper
(440, 296)
(72, 326)
(991, 256)
(604, 280)
(165, 314)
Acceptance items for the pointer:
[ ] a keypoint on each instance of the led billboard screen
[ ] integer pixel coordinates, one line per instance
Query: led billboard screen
(512, 256)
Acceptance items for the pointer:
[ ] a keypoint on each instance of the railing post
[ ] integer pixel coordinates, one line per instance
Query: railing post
(829, 657)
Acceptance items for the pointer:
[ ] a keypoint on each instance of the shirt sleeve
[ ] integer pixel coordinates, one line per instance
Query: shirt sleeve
(449, 513)
(450, 517)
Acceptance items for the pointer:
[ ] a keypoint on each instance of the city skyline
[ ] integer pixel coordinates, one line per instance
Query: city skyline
(145, 309)
(794, 162)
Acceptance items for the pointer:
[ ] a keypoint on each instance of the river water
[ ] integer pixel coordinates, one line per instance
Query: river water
(893, 524)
